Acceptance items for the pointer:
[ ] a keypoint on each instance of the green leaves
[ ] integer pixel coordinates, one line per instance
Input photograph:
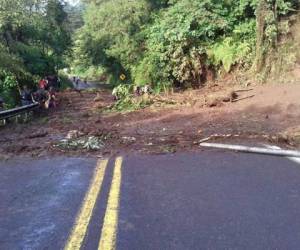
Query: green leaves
(112, 36)
(182, 36)
(8, 86)
(171, 42)
(35, 32)
(7, 80)
(229, 52)
(33, 40)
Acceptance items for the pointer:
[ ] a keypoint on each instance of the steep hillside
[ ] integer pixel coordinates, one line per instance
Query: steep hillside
(283, 66)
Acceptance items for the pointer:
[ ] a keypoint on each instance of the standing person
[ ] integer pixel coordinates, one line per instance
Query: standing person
(41, 94)
(26, 96)
(77, 81)
(2, 108)
(85, 82)
(43, 83)
(52, 81)
(1, 104)
(57, 83)
(51, 99)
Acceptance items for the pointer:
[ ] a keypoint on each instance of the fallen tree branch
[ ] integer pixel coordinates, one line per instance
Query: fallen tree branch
(37, 135)
(243, 90)
(243, 98)
(218, 136)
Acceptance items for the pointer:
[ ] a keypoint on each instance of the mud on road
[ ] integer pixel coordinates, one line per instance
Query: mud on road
(174, 122)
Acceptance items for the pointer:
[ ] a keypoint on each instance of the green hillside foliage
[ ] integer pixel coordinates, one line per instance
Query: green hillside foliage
(162, 43)
(176, 42)
(34, 39)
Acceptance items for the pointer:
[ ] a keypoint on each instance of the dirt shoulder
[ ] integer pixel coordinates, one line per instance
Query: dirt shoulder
(174, 122)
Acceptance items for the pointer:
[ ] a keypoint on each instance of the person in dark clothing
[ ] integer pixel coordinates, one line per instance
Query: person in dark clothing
(56, 83)
(77, 81)
(85, 82)
(26, 96)
(2, 108)
(51, 81)
(51, 102)
(1, 104)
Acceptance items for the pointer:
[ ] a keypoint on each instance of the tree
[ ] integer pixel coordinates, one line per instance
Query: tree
(111, 37)
(177, 42)
(34, 35)
(268, 14)
(74, 17)
(261, 12)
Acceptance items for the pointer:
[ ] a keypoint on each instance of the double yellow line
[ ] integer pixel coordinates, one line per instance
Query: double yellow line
(110, 224)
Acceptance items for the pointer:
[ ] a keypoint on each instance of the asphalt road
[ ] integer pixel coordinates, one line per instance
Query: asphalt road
(205, 200)
(89, 85)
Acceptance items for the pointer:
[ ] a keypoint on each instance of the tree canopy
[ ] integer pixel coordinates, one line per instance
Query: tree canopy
(160, 43)
(34, 39)
(174, 42)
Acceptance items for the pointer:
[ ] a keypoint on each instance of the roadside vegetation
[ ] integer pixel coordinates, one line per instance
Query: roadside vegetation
(34, 41)
(162, 44)
(182, 43)
(188, 68)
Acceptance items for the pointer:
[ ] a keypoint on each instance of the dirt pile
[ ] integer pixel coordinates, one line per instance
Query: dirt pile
(174, 122)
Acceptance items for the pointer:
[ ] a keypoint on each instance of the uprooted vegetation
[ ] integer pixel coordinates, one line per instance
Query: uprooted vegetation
(129, 98)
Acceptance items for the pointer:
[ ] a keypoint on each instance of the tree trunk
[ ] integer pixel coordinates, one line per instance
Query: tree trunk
(276, 16)
(265, 45)
(261, 10)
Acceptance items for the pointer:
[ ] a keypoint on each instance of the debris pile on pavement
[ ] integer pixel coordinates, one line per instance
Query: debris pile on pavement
(171, 122)
(87, 143)
(73, 134)
(231, 96)
(90, 140)
(38, 134)
(160, 101)
(165, 101)
(291, 137)
(128, 140)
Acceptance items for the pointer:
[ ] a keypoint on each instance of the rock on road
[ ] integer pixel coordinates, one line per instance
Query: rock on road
(204, 200)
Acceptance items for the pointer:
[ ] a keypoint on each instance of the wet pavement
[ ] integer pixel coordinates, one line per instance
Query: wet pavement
(82, 85)
(39, 200)
(205, 200)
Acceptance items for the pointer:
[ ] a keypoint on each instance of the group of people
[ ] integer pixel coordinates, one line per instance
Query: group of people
(45, 94)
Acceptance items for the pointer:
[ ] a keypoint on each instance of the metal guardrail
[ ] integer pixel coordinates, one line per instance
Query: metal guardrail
(17, 111)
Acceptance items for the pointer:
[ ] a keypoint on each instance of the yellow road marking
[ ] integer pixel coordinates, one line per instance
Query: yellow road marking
(83, 218)
(110, 224)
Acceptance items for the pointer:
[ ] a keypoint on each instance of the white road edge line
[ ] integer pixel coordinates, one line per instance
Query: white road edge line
(257, 150)
(294, 159)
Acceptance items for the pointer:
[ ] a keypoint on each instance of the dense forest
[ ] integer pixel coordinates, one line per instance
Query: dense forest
(161, 43)
(178, 42)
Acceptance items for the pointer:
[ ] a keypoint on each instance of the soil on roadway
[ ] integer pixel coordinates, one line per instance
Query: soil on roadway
(174, 122)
